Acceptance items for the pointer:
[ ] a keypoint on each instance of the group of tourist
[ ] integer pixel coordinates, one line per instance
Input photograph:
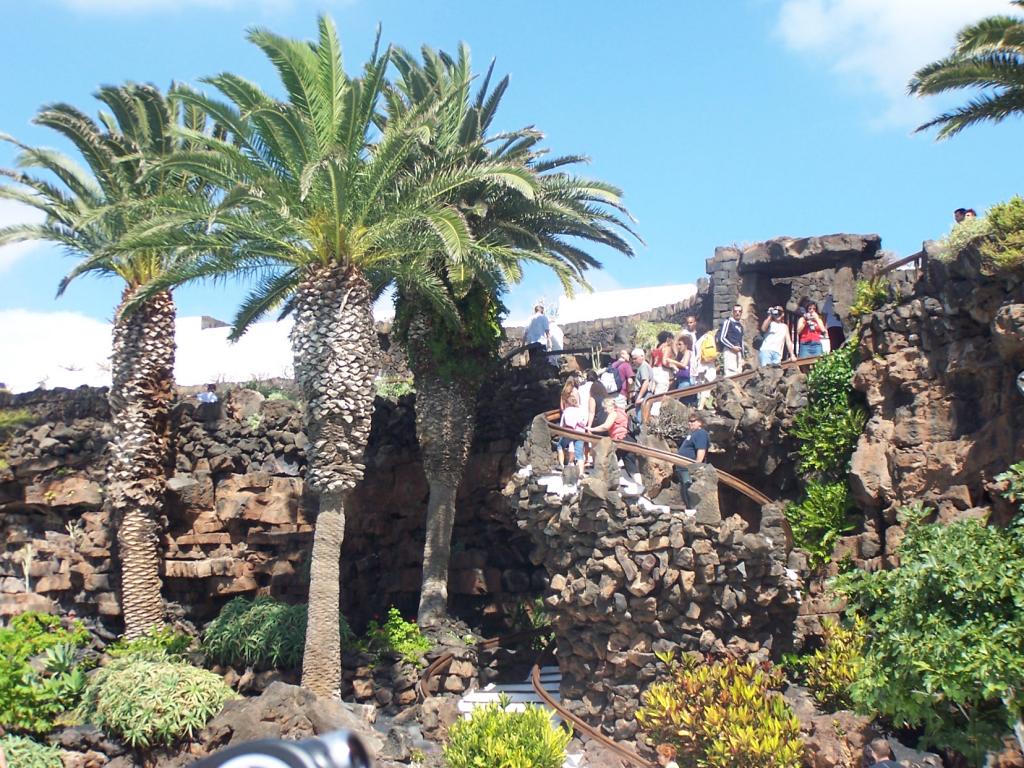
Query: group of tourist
(595, 403)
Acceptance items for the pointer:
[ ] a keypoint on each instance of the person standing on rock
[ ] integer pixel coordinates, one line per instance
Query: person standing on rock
(776, 339)
(809, 330)
(209, 396)
(574, 418)
(537, 335)
(695, 448)
(730, 339)
(878, 754)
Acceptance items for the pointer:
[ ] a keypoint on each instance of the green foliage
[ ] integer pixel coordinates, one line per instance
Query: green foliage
(1005, 248)
(268, 390)
(965, 234)
(394, 387)
(152, 699)
(723, 714)
(1014, 479)
(493, 737)
(871, 294)
(944, 647)
(828, 436)
(647, 333)
(22, 752)
(820, 519)
(396, 635)
(263, 633)
(253, 421)
(39, 677)
(13, 418)
(829, 381)
(164, 640)
(829, 671)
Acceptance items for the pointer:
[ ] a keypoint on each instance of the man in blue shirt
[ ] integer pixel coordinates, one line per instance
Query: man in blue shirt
(730, 340)
(694, 447)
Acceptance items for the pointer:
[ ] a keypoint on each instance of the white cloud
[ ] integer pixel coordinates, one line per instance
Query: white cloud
(12, 212)
(877, 45)
(57, 349)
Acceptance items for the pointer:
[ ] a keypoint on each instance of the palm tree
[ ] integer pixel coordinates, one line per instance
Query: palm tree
(312, 198)
(451, 355)
(988, 56)
(87, 212)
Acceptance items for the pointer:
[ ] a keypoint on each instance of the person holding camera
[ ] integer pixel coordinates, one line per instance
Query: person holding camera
(809, 330)
(775, 338)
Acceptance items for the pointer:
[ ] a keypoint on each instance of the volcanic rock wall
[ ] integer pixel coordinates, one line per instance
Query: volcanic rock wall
(938, 371)
(237, 519)
(629, 579)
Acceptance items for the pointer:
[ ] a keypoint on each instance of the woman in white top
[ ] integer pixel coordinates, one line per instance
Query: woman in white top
(776, 338)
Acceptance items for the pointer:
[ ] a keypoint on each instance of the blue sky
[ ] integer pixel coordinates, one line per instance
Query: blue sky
(723, 122)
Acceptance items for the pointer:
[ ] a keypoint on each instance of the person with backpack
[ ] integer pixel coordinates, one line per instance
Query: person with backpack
(620, 381)
(705, 365)
(616, 426)
(730, 339)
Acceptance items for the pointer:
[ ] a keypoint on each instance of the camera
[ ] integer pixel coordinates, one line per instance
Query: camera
(775, 311)
(340, 749)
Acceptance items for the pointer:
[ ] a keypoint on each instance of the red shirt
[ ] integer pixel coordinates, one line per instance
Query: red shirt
(619, 425)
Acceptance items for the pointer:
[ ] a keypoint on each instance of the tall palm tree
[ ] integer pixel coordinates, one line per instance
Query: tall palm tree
(451, 355)
(988, 56)
(313, 197)
(87, 212)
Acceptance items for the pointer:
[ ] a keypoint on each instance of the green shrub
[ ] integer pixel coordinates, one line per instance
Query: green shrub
(1005, 248)
(39, 677)
(944, 647)
(828, 436)
(871, 294)
(722, 714)
(22, 752)
(164, 640)
(263, 633)
(394, 387)
(819, 521)
(647, 333)
(496, 738)
(829, 671)
(1014, 480)
(148, 700)
(969, 232)
(13, 418)
(829, 382)
(396, 635)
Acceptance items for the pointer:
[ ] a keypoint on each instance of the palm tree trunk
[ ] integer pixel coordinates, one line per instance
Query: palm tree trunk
(140, 398)
(336, 350)
(445, 423)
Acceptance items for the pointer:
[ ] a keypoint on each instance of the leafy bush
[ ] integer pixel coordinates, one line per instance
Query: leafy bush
(34, 695)
(724, 714)
(263, 633)
(944, 647)
(1014, 480)
(829, 381)
(22, 752)
(829, 671)
(969, 232)
(647, 333)
(148, 700)
(871, 294)
(819, 521)
(13, 418)
(396, 635)
(164, 640)
(828, 436)
(1005, 248)
(392, 388)
(496, 738)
